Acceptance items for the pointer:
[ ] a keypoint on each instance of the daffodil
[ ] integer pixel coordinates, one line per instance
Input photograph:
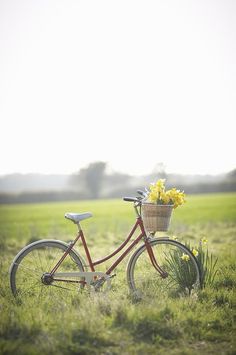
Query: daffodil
(185, 257)
(152, 197)
(204, 241)
(195, 252)
(160, 184)
(158, 194)
(165, 198)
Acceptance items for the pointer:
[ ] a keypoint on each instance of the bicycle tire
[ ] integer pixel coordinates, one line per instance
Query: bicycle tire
(176, 259)
(36, 259)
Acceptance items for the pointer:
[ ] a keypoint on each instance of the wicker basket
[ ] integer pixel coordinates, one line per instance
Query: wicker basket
(156, 217)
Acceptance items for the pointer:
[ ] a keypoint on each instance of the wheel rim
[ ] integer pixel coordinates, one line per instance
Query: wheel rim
(30, 274)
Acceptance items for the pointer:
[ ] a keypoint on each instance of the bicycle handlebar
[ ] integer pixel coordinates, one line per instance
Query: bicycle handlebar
(131, 199)
(137, 199)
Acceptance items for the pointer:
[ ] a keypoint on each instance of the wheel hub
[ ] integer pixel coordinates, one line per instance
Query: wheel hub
(47, 278)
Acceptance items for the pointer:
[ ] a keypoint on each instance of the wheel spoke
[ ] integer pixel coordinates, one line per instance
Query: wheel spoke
(32, 271)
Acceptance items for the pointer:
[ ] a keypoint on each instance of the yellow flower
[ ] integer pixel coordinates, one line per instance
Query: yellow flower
(152, 197)
(165, 198)
(160, 184)
(155, 190)
(158, 194)
(204, 241)
(185, 257)
(195, 252)
(174, 237)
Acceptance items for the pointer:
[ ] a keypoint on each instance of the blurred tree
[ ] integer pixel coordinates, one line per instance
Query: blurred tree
(94, 175)
(232, 175)
(160, 171)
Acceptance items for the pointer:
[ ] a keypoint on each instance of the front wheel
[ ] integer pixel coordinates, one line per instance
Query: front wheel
(30, 270)
(178, 264)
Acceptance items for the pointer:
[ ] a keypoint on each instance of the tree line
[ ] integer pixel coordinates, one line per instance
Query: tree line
(93, 182)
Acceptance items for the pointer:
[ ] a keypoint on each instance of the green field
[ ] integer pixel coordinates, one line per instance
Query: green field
(113, 323)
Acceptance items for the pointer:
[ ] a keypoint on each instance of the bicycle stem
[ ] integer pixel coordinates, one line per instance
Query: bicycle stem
(136, 205)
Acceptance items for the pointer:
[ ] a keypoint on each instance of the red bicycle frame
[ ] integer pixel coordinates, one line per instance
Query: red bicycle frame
(139, 223)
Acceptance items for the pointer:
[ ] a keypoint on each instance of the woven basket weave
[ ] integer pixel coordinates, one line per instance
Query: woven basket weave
(156, 217)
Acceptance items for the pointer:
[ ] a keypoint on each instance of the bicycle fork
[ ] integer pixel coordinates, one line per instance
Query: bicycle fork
(162, 273)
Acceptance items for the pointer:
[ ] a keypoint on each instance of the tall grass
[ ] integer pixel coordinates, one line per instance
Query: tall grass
(208, 265)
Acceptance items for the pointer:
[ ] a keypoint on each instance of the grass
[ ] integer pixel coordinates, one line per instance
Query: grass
(113, 323)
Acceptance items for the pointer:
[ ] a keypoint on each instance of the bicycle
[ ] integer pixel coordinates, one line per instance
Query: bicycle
(156, 268)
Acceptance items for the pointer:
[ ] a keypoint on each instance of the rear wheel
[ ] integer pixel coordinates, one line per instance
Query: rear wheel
(176, 261)
(30, 270)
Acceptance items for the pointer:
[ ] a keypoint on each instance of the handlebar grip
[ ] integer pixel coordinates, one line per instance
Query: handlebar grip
(130, 199)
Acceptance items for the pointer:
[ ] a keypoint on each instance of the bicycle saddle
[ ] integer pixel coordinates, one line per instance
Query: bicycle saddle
(78, 217)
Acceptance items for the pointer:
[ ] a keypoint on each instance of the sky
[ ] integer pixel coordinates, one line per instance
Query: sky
(130, 83)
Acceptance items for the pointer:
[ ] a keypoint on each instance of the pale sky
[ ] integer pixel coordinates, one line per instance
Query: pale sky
(131, 83)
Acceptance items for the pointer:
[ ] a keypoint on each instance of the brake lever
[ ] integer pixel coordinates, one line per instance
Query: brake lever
(140, 192)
